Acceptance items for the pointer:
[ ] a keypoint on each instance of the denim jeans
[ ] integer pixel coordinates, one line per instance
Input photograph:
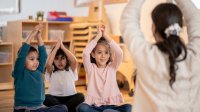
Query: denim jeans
(56, 108)
(83, 107)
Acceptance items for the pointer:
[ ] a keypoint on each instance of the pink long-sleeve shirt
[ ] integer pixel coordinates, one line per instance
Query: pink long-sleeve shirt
(102, 85)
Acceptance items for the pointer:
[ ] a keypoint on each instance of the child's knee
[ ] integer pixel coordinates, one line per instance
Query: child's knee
(62, 108)
(127, 107)
(80, 96)
(83, 107)
(110, 110)
(58, 108)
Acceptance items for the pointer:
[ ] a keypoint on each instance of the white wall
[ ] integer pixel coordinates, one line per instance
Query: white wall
(30, 7)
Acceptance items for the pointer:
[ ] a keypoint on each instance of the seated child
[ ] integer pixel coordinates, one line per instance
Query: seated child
(103, 94)
(28, 80)
(61, 72)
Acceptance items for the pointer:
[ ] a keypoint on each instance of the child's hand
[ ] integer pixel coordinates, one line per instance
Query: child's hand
(106, 35)
(61, 43)
(99, 31)
(58, 44)
(104, 30)
(36, 33)
(38, 29)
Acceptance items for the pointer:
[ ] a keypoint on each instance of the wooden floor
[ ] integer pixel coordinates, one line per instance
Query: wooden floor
(6, 98)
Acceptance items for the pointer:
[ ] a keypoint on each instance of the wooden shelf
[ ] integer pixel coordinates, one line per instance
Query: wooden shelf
(6, 86)
(6, 43)
(15, 29)
(59, 22)
(5, 64)
(6, 49)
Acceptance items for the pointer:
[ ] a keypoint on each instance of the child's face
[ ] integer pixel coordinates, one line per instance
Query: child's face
(32, 61)
(60, 62)
(101, 55)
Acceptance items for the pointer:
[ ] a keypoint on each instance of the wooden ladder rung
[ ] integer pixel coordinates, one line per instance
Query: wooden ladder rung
(79, 55)
(80, 32)
(78, 49)
(80, 60)
(79, 44)
(81, 38)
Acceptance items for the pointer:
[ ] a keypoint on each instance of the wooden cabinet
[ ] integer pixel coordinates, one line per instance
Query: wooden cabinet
(17, 31)
(6, 65)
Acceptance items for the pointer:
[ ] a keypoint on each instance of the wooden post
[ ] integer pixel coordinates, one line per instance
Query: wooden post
(97, 13)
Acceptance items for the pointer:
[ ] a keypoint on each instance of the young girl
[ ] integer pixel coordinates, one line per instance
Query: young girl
(102, 92)
(168, 77)
(62, 73)
(28, 80)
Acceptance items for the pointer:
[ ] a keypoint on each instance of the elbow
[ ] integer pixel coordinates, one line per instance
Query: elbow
(74, 63)
(48, 65)
(85, 53)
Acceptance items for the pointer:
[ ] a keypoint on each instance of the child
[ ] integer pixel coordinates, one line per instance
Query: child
(168, 77)
(102, 92)
(62, 73)
(28, 80)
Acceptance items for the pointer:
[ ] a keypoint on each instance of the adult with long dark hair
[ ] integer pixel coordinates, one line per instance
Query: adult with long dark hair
(168, 77)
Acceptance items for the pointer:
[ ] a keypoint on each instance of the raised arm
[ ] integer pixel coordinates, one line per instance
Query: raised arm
(33, 34)
(49, 65)
(72, 59)
(20, 60)
(106, 34)
(22, 53)
(88, 49)
(117, 54)
(115, 49)
(41, 48)
(192, 19)
(38, 36)
(130, 25)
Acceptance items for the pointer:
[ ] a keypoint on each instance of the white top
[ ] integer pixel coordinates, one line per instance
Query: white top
(153, 92)
(62, 83)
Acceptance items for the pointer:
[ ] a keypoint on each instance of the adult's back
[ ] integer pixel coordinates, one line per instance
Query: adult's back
(168, 80)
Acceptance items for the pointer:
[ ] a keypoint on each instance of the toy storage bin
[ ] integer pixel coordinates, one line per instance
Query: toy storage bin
(54, 34)
(4, 57)
(48, 49)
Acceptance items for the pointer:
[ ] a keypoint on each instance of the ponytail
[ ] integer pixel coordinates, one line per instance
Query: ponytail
(174, 47)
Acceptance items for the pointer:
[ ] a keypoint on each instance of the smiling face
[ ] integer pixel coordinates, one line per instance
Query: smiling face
(32, 61)
(60, 62)
(101, 54)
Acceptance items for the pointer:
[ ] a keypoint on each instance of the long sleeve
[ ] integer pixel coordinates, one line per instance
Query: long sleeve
(130, 25)
(86, 55)
(20, 61)
(192, 20)
(118, 54)
(42, 58)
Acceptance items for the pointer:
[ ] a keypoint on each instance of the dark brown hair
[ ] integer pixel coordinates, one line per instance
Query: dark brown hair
(163, 16)
(103, 41)
(58, 53)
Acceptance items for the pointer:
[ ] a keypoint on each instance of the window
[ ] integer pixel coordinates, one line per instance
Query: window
(9, 6)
